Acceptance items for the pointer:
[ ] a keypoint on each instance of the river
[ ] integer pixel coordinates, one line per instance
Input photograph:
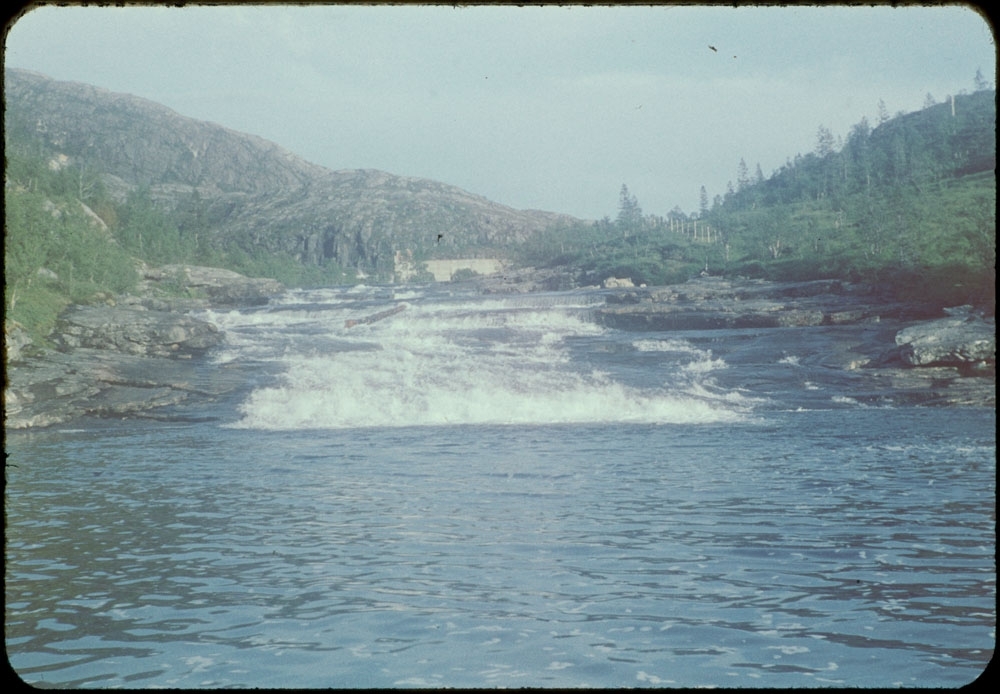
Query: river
(498, 492)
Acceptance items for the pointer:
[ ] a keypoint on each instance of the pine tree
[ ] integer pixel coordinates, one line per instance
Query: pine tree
(629, 212)
(883, 112)
(742, 176)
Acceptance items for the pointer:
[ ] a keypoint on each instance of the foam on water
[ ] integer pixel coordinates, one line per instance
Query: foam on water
(415, 391)
(464, 360)
(665, 345)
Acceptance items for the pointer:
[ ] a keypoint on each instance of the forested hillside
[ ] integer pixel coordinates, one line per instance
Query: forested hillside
(909, 205)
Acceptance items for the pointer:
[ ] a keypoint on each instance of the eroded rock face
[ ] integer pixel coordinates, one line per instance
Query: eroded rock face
(106, 383)
(715, 303)
(949, 341)
(130, 356)
(254, 193)
(134, 331)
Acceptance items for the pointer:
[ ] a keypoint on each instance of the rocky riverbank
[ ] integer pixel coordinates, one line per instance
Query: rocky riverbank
(710, 303)
(936, 355)
(131, 355)
(136, 355)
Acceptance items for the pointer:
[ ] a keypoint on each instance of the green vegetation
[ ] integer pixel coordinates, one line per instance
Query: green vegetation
(57, 250)
(651, 254)
(909, 206)
(66, 240)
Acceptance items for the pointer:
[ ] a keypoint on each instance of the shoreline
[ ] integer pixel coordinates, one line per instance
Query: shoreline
(145, 352)
(130, 356)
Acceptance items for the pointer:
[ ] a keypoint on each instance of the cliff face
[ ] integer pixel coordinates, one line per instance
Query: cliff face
(252, 192)
(144, 143)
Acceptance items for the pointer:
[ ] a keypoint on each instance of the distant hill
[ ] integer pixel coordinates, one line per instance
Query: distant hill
(907, 206)
(248, 193)
(939, 143)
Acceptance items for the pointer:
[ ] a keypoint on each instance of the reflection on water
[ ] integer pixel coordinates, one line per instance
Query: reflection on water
(657, 510)
(492, 556)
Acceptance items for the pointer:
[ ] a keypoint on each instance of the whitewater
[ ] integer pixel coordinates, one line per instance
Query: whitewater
(497, 491)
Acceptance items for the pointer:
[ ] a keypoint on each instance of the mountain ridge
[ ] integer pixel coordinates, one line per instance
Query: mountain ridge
(254, 193)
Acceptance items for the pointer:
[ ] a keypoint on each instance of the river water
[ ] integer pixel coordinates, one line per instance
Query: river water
(498, 492)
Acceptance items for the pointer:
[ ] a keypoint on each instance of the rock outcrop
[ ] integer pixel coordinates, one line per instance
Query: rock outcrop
(221, 287)
(135, 330)
(130, 357)
(251, 193)
(908, 348)
(63, 386)
(15, 340)
(712, 303)
(968, 341)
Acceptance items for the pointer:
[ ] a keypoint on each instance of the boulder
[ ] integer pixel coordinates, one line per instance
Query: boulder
(956, 340)
(135, 331)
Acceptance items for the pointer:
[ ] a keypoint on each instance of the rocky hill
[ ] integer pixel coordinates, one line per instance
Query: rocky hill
(251, 193)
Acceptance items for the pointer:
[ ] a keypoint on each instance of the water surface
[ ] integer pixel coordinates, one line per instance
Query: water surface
(487, 492)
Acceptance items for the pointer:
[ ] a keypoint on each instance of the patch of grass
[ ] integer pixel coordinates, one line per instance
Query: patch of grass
(37, 308)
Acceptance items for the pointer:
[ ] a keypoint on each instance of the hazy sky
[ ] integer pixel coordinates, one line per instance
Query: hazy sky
(535, 107)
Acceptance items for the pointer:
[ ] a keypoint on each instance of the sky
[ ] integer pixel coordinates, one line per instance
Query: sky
(537, 107)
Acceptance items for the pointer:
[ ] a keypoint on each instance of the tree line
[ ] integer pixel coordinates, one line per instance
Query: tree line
(908, 204)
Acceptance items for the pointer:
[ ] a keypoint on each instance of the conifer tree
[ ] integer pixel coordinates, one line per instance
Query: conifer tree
(742, 175)
(629, 212)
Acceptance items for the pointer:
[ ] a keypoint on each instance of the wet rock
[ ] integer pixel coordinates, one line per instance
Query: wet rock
(707, 303)
(707, 315)
(797, 318)
(131, 355)
(628, 297)
(106, 383)
(905, 348)
(956, 340)
(936, 386)
(133, 331)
